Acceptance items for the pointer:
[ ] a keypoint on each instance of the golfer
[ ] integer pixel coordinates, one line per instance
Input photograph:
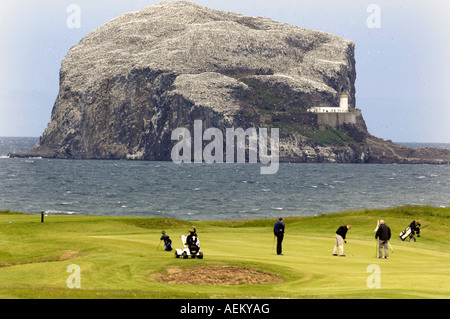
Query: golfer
(278, 231)
(383, 235)
(167, 241)
(341, 233)
(415, 229)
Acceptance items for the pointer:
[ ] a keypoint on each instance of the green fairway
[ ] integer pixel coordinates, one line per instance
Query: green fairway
(119, 257)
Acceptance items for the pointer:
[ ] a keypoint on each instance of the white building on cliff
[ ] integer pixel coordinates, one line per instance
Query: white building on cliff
(343, 106)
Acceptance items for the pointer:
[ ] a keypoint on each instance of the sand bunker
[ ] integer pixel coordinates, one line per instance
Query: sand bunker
(217, 275)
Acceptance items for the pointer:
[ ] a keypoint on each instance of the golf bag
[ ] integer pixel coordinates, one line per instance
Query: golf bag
(405, 234)
(168, 244)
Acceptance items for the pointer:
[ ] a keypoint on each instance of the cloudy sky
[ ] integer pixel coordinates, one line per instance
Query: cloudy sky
(402, 56)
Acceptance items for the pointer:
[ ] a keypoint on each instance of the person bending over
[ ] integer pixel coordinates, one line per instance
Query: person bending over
(341, 234)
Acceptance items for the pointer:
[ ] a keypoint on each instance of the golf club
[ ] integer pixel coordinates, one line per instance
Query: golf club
(392, 248)
(351, 254)
(159, 245)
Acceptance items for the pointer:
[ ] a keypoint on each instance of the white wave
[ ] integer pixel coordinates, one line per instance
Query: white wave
(57, 212)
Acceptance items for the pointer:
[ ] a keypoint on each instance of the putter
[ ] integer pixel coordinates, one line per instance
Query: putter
(351, 255)
(159, 244)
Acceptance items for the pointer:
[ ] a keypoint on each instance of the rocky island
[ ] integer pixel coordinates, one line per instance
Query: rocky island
(128, 84)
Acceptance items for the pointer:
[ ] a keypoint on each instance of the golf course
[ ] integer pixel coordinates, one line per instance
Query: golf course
(104, 257)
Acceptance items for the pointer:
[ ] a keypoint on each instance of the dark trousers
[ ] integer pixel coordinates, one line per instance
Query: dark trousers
(279, 241)
(167, 245)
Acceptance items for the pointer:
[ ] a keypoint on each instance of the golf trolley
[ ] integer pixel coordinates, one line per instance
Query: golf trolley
(191, 248)
(405, 234)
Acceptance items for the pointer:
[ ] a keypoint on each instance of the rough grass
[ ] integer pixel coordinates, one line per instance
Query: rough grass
(321, 137)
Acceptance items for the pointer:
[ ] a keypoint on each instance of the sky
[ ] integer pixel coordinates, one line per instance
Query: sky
(402, 52)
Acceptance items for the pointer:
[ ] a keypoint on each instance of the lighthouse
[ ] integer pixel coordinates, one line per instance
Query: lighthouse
(343, 102)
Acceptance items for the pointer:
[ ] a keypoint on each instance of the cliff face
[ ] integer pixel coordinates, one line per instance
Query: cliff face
(128, 84)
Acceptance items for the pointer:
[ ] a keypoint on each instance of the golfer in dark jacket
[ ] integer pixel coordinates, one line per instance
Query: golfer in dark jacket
(278, 231)
(383, 235)
(415, 229)
(167, 241)
(341, 233)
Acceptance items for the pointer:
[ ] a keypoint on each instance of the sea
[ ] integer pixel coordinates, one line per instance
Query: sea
(210, 191)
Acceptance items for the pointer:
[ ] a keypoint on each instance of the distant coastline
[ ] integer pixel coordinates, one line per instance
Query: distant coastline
(421, 145)
(16, 144)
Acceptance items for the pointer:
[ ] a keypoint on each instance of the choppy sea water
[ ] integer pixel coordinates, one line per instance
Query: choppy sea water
(209, 191)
